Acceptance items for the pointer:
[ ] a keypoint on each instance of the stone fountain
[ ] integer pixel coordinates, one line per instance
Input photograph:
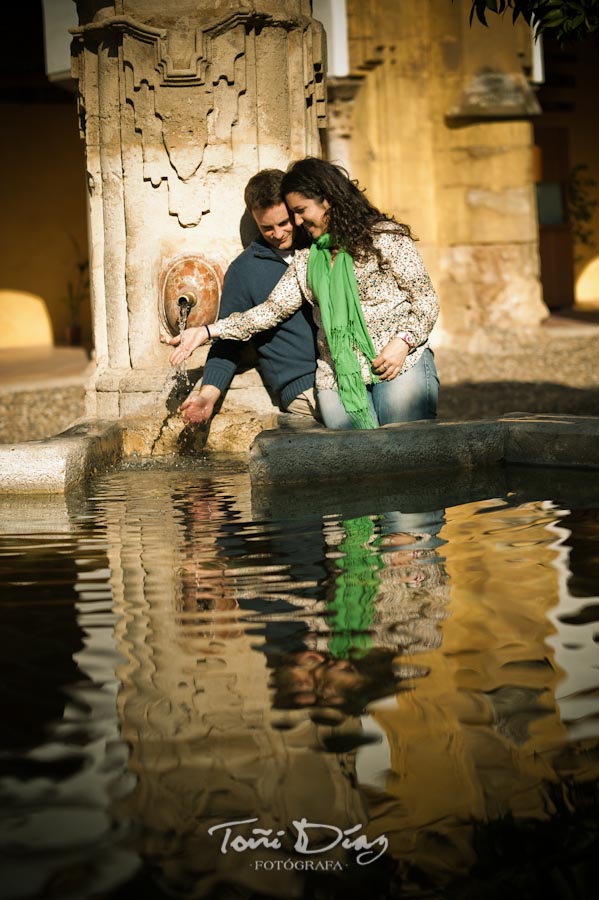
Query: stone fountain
(179, 105)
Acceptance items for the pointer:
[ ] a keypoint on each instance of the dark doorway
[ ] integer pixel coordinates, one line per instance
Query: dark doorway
(555, 232)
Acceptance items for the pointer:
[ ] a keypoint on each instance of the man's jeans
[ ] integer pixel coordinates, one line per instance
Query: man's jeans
(406, 398)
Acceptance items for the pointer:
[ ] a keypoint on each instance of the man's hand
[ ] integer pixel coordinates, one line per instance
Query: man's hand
(190, 340)
(199, 407)
(390, 360)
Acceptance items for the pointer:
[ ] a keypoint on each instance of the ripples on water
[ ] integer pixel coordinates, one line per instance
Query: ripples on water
(173, 660)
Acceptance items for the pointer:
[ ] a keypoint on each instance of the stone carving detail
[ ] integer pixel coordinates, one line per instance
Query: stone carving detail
(316, 86)
(180, 93)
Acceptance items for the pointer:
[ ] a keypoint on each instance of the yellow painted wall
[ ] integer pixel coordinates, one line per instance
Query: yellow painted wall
(391, 147)
(453, 163)
(464, 731)
(42, 165)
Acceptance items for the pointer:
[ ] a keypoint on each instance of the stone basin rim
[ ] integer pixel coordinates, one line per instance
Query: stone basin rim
(311, 454)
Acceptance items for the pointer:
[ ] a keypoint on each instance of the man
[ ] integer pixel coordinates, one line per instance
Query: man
(287, 353)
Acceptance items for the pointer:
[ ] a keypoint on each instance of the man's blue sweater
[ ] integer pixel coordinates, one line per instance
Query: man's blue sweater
(287, 353)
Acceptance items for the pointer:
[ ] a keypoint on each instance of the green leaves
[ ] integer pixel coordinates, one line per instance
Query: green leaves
(567, 20)
(481, 7)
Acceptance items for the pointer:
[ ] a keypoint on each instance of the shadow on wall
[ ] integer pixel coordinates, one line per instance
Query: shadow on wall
(489, 399)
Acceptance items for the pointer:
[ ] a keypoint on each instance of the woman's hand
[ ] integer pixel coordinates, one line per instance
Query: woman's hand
(190, 340)
(390, 360)
(199, 406)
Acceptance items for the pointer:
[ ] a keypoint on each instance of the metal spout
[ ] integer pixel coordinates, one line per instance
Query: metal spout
(187, 301)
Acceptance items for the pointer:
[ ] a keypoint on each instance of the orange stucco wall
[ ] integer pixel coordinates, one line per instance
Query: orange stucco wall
(42, 167)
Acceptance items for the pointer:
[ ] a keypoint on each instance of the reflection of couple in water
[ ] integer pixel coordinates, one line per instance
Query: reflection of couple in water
(388, 596)
(332, 620)
(385, 593)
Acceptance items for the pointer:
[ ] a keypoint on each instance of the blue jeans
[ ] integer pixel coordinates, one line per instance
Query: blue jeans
(406, 398)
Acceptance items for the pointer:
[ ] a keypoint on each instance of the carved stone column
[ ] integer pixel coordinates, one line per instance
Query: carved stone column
(180, 103)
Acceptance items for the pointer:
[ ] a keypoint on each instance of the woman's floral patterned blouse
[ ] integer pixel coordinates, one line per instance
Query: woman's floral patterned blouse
(396, 298)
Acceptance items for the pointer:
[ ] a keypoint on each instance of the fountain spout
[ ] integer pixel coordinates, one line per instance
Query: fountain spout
(189, 293)
(185, 302)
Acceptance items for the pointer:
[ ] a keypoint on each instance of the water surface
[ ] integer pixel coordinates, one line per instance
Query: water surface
(313, 694)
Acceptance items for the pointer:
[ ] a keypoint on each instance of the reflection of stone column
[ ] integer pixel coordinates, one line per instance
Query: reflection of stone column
(180, 104)
(195, 704)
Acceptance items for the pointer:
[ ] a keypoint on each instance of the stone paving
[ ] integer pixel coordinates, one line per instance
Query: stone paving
(41, 391)
(552, 370)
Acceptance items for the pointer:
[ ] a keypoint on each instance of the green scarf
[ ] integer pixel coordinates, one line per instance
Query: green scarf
(336, 290)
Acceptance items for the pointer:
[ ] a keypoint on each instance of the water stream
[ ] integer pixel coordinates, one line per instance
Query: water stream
(178, 382)
(404, 700)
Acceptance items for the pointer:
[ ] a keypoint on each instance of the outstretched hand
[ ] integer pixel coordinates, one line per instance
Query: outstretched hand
(390, 360)
(187, 342)
(199, 407)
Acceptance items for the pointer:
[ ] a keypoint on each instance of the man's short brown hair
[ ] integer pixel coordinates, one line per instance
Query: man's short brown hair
(263, 190)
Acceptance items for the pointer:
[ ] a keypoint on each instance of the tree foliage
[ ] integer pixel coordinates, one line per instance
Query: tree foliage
(567, 20)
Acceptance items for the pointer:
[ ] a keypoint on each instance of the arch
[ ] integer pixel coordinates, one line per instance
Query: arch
(24, 321)
(587, 284)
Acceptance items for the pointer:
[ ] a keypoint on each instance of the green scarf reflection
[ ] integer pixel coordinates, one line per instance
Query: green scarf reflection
(352, 608)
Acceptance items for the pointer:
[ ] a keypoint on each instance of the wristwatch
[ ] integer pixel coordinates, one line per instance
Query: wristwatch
(407, 338)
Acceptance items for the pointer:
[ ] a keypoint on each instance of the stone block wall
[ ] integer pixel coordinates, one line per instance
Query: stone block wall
(442, 139)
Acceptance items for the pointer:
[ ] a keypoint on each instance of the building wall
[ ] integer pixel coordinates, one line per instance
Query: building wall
(465, 189)
(43, 204)
(442, 138)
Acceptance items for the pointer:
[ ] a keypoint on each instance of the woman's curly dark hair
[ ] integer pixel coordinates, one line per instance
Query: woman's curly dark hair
(352, 219)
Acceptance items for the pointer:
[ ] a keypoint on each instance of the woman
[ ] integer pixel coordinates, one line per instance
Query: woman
(374, 304)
